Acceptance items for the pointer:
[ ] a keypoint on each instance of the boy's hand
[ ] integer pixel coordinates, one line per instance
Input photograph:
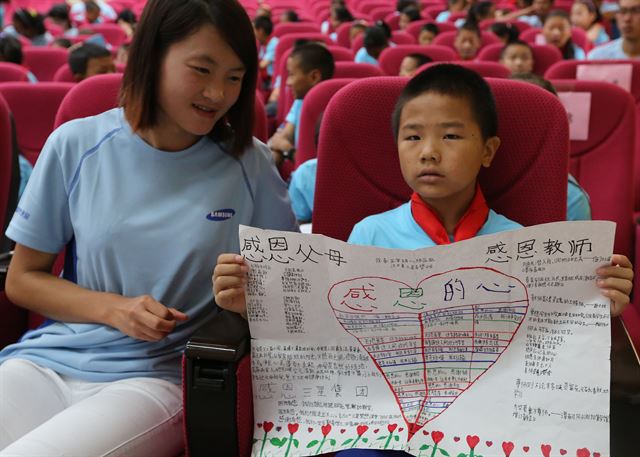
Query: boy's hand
(229, 280)
(615, 282)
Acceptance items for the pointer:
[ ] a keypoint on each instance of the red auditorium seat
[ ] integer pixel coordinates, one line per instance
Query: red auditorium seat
(34, 108)
(44, 61)
(448, 38)
(578, 36)
(112, 33)
(356, 70)
(11, 72)
(544, 56)
(295, 27)
(391, 58)
(414, 27)
(315, 103)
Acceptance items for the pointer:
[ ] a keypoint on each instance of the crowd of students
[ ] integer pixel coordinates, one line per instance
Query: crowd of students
(129, 194)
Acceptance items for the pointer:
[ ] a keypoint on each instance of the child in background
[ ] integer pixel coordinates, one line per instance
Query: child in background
(505, 31)
(338, 16)
(445, 123)
(127, 21)
(29, 24)
(453, 6)
(586, 15)
(11, 51)
(59, 15)
(359, 26)
(407, 16)
(89, 60)
(289, 16)
(557, 32)
(578, 205)
(468, 40)
(306, 66)
(534, 15)
(263, 28)
(517, 56)
(410, 64)
(376, 40)
(427, 34)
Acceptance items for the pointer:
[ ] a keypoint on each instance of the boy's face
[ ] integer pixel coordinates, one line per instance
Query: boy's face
(299, 81)
(441, 149)
(518, 59)
(557, 31)
(408, 67)
(628, 18)
(467, 44)
(425, 37)
(99, 66)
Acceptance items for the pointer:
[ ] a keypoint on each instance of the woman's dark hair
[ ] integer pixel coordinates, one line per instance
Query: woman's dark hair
(385, 27)
(456, 81)
(567, 50)
(166, 22)
(505, 30)
(30, 19)
(60, 12)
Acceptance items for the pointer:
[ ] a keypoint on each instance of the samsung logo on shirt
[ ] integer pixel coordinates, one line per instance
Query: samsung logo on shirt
(221, 214)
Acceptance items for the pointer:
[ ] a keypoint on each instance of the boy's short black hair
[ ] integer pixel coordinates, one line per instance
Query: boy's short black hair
(10, 50)
(291, 16)
(537, 80)
(342, 13)
(313, 56)
(79, 57)
(471, 25)
(402, 4)
(412, 13)
(375, 37)
(505, 30)
(263, 23)
(420, 59)
(456, 81)
(127, 16)
(431, 27)
(59, 11)
(515, 43)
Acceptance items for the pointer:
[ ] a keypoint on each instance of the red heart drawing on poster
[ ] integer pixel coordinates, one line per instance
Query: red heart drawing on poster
(431, 342)
(546, 450)
(563, 452)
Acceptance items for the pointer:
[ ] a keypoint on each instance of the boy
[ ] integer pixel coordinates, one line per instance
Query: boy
(427, 34)
(376, 40)
(445, 123)
(307, 66)
(89, 60)
(410, 64)
(468, 41)
(263, 27)
(517, 56)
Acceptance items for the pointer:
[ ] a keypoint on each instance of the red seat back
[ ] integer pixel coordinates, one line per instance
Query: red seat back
(260, 120)
(567, 69)
(64, 74)
(544, 56)
(112, 33)
(12, 72)
(578, 36)
(484, 69)
(360, 159)
(92, 96)
(44, 61)
(6, 166)
(520, 25)
(295, 27)
(34, 108)
(314, 104)
(601, 163)
(400, 37)
(356, 70)
(286, 42)
(391, 58)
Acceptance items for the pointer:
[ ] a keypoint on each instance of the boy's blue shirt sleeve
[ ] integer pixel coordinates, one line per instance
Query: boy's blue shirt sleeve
(302, 189)
(578, 205)
(293, 117)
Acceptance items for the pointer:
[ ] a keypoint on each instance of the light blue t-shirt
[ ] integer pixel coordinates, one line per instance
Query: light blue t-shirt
(293, 117)
(532, 20)
(397, 229)
(578, 206)
(26, 169)
(362, 56)
(443, 16)
(602, 37)
(302, 189)
(268, 52)
(578, 52)
(140, 221)
(610, 51)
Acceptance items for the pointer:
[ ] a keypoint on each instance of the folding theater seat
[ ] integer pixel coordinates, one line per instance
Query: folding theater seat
(484, 69)
(34, 108)
(44, 61)
(544, 56)
(11, 72)
(391, 58)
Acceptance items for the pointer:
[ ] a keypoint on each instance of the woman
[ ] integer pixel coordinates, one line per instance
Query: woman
(144, 197)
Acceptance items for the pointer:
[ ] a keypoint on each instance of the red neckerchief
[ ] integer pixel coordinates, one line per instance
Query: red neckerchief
(467, 227)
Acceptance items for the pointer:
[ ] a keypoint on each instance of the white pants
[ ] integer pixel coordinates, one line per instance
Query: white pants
(45, 414)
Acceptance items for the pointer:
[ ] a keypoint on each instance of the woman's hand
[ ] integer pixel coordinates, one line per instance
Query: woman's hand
(229, 281)
(615, 282)
(145, 318)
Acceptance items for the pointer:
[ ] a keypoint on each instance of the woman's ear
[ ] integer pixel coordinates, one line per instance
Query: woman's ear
(490, 147)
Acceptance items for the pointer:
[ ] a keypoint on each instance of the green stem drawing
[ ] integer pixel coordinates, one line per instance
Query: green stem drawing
(286, 454)
(356, 441)
(321, 444)
(435, 448)
(264, 440)
(388, 440)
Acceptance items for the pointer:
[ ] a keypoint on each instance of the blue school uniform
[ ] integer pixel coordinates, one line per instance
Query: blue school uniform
(269, 52)
(293, 117)
(610, 51)
(302, 189)
(137, 221)
(578, 206)
(362, 56)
